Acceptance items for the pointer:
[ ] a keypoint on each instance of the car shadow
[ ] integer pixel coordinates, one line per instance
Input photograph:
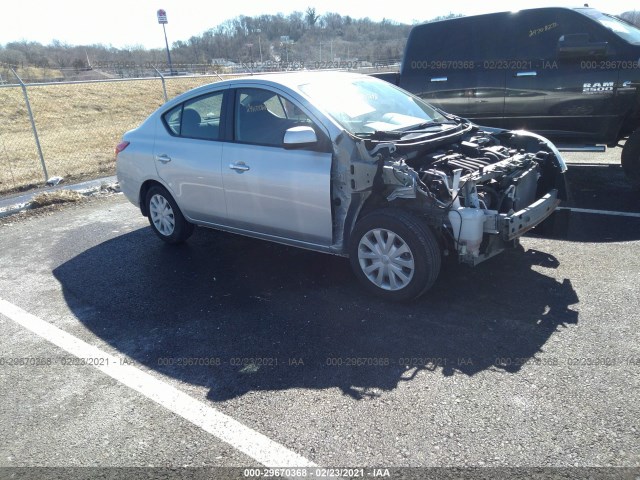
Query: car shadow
(600, 188)
(237, 315)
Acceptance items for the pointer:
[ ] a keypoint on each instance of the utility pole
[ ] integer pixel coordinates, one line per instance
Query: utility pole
(258, 31)
(250, 47)
(285, 41)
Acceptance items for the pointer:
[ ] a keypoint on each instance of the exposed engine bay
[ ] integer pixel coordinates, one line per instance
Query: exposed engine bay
(480, 192)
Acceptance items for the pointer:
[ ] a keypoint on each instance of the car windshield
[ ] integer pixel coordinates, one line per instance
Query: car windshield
(623, 29)
(365, 106)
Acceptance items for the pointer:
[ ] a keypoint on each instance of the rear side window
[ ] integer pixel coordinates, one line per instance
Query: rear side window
(622, 29)
(196, 118)
(172, 119)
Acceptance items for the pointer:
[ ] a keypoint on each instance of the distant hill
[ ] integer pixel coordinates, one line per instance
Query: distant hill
(300, 37)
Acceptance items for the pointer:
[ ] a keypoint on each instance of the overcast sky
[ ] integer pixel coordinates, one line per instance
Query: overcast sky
(133, 22)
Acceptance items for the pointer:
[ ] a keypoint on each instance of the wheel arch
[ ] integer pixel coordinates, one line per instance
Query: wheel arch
(630, 159)
(142, 195)
(628, 124)
(360, 209)
(377, 202)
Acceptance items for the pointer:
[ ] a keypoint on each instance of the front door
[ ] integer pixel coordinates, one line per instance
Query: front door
(270, 189)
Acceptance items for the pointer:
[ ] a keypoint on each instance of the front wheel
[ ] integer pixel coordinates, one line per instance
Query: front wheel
(631, 158)
(165, 217)
(394, 255)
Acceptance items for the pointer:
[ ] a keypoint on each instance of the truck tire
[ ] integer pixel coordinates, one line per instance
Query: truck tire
(394, 255)
(631, 158)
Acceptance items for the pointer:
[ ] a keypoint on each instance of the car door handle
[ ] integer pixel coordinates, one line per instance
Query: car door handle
(527, 74)
(239, 167)
(163, 158)
(439, 79)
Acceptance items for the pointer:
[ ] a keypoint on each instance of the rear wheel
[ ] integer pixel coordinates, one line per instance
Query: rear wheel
(394, 255)
(631, 158)
(165, 216)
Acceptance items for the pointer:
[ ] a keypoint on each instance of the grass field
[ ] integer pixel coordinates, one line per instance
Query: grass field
(79, 126)
(30, 74)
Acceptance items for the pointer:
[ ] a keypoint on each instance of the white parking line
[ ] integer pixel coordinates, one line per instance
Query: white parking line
(584, 164)
(239, 436)
(601, 212)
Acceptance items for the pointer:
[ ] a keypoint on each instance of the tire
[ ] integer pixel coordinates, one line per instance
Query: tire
(631, 158)
(400, 276)
(165, 216)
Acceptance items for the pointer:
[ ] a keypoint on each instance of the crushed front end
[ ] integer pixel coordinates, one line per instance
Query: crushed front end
(479, 189)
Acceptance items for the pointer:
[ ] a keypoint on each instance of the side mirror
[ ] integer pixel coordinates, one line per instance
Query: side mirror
(296, 137)
(577, 45)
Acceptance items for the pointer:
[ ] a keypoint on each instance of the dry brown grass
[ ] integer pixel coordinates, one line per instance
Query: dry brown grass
(79, 126)
(55, 197)
(30, 74)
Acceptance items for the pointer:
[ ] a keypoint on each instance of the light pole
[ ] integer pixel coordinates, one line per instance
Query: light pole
(284, 42)
(250, 47)
(258, 31)
(162, 20)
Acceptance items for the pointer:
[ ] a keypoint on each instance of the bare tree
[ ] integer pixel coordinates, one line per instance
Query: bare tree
(311, 17)
(632, 17)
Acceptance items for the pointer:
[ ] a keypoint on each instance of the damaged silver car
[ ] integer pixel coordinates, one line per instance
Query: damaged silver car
(343, 164)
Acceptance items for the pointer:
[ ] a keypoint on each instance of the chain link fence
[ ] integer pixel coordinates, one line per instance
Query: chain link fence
(77, 124)
(69, 129)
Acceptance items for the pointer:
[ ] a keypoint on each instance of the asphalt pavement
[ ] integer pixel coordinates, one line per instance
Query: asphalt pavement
(530, 360)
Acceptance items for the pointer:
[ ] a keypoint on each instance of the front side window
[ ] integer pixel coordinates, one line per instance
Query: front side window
(262, 117)
(622, 29)
(196, 118)
(535, 35)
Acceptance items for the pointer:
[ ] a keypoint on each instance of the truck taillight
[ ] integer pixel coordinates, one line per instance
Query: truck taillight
(121, 146)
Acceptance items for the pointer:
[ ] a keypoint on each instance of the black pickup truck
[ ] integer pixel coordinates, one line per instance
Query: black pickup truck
(571, 75)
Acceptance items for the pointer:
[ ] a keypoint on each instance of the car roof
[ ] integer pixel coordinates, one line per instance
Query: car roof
(293, 79)
(581, 10)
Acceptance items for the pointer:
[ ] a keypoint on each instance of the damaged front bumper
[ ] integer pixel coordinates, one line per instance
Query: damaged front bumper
(517, 224)
(501, 230)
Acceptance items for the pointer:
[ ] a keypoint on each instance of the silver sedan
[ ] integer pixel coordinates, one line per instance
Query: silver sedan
(339, 163)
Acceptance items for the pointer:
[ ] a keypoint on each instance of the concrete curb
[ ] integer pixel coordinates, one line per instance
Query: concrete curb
(19, 203)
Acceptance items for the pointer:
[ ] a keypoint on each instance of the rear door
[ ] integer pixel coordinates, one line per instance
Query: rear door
(434, 67)
(451, 64)
(270, 189)
(556, 96)
(188, 156)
